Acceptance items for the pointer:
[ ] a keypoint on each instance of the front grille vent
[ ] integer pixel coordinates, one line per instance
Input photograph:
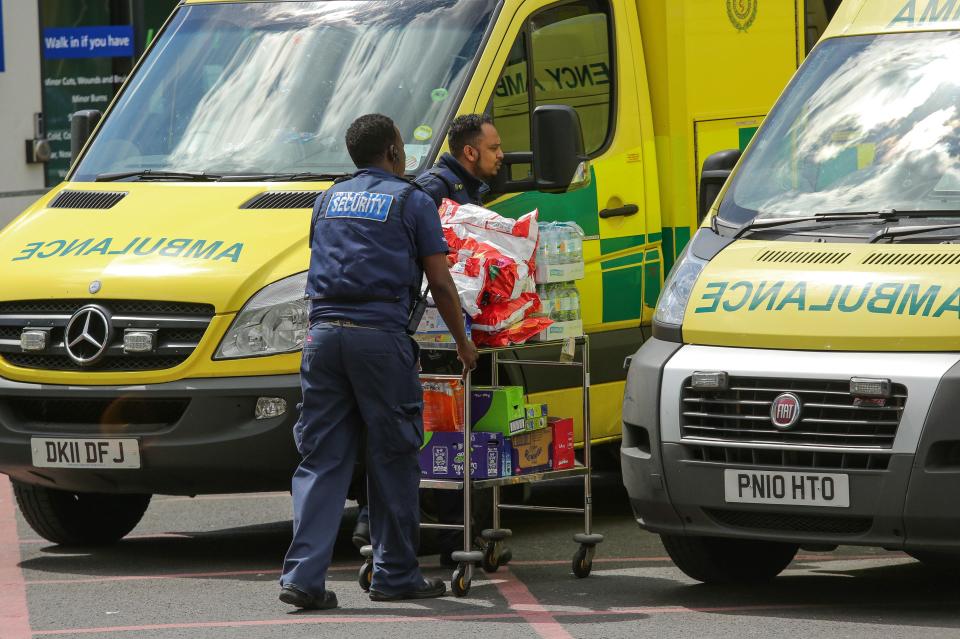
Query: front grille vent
(118, 411)
(830, 416)
(786, 458)
(802, 257)
(179, 327)
(789, 522)
(86, 199)
(283, 200)
(913, 259)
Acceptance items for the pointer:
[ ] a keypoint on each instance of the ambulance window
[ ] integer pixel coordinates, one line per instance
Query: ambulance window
(568, 47)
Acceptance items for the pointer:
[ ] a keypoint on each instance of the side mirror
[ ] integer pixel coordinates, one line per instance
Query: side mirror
(82, 124)
(558, 157)
(716, 169)
(558, 162)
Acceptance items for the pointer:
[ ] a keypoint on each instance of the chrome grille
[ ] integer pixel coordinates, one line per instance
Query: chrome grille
(180, 327)
(831, 416)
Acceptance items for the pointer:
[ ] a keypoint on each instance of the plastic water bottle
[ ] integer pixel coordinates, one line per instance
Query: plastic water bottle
(575, 299)
(576, 246)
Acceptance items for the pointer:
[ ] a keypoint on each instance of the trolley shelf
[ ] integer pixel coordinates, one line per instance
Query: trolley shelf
(547, 475)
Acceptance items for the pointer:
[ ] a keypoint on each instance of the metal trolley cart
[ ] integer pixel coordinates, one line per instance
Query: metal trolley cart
(495, 554)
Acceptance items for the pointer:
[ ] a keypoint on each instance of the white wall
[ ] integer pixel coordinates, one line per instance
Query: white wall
(20, 183)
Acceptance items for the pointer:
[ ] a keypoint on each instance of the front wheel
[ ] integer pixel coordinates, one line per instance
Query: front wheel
(79, 519)
(721, 560)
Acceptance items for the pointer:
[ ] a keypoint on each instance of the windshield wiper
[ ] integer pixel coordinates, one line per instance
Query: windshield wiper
(150, 174)
(892, 232)
(284, 177)
(756, 224)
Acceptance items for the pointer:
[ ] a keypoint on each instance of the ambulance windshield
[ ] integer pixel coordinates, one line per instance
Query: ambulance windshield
(271, 87)
(869, 123)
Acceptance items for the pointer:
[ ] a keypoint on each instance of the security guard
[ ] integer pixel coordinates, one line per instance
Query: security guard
(373, 238)
(474, 159)
(461, 176)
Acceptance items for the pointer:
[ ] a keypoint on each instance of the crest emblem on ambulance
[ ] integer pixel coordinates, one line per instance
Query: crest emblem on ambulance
(742, 13)
(785, 411)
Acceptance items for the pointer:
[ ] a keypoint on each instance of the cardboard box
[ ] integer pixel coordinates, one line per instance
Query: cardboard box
(534, 410)
(441, 456)
(532, 452)
(549, 273)
(535, 423)
(433, 332)
(559, 330)
(497, 409)
(562, 446)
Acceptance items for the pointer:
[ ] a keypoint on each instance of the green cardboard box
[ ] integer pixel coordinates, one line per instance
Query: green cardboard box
(535, 423)
(534, 410)
(497, 409)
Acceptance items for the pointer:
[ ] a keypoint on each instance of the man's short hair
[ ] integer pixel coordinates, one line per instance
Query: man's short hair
(465, 130)
(369, 137)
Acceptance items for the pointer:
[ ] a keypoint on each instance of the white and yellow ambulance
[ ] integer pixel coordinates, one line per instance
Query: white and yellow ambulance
(801, 388)
(151, 311)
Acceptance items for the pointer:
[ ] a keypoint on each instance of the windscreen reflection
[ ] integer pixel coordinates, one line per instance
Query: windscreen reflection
(271, 87)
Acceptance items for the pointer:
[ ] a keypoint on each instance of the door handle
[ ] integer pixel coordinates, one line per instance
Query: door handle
(621, 211)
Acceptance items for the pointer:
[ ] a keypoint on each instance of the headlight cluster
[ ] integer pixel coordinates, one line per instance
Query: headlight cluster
(274, 321)
(677, 289)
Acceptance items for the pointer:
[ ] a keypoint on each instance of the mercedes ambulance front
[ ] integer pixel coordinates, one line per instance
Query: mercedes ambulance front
(802, 385)
(151, 306)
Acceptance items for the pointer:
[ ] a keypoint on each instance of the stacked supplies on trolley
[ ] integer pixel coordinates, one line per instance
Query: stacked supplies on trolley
(508, 436)
(493, 263)
(559, 263)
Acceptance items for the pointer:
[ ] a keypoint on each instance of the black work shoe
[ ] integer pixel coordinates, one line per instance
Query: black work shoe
(361, 535)
(430, 588)
(295, 597)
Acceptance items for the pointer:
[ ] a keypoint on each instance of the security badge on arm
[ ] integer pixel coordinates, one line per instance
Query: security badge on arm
(360, 204)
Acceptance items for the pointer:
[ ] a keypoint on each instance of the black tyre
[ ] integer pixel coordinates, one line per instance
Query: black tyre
(459, 582)
(718, 560)
(365, 576)
(942, 562)
(79, 519)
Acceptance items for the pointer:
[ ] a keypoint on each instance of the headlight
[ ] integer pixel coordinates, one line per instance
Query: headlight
(676, 290)
(273, 321)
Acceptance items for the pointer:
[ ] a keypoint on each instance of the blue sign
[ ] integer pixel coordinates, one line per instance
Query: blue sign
(2, 69)
(88, 42)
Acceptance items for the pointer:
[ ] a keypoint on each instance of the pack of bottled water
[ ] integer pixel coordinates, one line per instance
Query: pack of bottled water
(559, 252)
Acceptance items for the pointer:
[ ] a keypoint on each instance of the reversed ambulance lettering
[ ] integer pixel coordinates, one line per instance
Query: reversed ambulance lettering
(186, 248)
(881, 298)
(914, 12)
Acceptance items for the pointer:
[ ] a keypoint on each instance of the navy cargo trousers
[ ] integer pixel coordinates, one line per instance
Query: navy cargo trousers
(356, 378)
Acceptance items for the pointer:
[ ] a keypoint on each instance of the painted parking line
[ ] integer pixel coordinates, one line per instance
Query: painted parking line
(520, 599)
(14, 615)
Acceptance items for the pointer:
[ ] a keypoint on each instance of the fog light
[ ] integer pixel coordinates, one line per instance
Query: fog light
(869, 387)
(34, 340)
(270, 407)
(136, 341)
(711, 380)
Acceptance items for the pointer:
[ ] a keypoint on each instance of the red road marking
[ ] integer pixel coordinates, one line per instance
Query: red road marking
(520, 598)
(14, 615)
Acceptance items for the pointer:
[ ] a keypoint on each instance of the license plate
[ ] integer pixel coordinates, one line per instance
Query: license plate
(85, 453)
(789, 489)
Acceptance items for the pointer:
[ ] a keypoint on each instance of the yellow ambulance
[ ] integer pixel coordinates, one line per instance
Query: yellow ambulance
(151, 309)
(801, 385)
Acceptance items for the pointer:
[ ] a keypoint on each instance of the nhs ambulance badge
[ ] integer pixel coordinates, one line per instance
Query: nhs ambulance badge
(742, 13)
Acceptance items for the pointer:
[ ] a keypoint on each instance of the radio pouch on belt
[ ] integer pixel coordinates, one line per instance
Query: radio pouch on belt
(417, 309)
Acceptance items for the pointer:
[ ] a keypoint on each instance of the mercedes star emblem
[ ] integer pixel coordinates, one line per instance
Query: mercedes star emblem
(94, 287)
(88, 335)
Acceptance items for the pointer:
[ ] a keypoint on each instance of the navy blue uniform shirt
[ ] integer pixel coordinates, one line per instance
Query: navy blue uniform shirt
(448, 179)
(370, 235)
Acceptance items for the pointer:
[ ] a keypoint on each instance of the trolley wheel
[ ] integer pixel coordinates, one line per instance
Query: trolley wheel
(365, 577)
(459, 583)
(493, 557)
(583, 561)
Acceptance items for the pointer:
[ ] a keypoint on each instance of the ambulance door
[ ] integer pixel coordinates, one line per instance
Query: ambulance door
(578, 53)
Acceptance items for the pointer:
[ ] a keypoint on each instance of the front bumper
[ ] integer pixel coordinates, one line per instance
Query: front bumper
(196, 436)
(908, 502)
